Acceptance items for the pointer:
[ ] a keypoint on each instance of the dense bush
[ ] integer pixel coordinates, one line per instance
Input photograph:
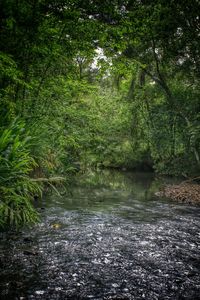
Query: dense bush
(17, 190)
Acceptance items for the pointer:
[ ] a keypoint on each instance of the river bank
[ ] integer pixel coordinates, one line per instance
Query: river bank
(185, 192)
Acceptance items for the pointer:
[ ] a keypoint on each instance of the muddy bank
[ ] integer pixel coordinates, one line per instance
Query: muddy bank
(185, 192)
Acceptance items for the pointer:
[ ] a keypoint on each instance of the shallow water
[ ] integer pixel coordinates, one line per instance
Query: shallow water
(109, 237)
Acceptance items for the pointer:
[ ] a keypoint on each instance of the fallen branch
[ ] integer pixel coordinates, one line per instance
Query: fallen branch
(190, 180)
(51, 179)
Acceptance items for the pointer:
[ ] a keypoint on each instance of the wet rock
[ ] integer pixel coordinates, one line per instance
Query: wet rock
(27, 240)
(56, 226)
(30, 252)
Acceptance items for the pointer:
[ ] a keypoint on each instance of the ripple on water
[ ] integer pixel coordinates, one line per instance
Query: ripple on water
(137, 249)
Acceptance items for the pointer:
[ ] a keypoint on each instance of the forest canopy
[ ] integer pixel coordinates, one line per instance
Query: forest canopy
(95, 84)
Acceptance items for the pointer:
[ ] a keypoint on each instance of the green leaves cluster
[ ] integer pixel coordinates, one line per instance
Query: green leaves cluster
(17, 190)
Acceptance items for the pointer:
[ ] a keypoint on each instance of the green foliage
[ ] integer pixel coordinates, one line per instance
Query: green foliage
(16, 187)
(99, 85)
(109, 131)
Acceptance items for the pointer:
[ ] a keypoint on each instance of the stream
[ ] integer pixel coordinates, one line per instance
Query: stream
(107, 237)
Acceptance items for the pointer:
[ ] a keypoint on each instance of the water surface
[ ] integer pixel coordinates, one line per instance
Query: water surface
(108, 237)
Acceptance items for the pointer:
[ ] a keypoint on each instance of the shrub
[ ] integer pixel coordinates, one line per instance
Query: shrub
(17, 190)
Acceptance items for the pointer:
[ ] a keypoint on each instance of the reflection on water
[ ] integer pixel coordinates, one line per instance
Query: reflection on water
(109, 237)
(106, 189)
